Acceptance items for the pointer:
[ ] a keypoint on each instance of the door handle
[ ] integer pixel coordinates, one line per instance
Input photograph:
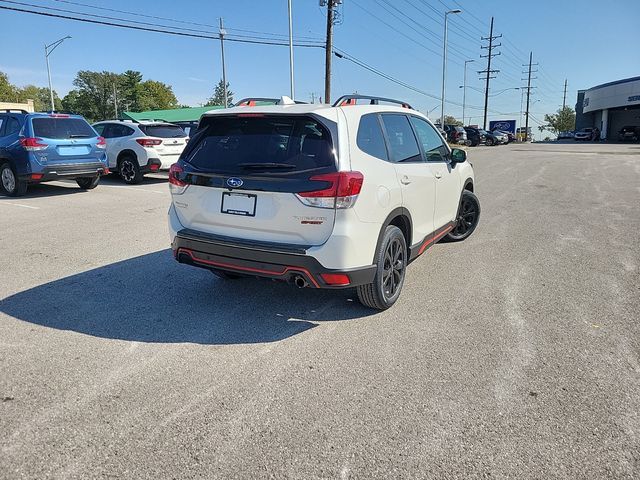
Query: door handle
(438, 175)
(405, 180)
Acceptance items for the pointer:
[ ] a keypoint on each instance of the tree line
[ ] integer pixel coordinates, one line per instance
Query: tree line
(96, 95)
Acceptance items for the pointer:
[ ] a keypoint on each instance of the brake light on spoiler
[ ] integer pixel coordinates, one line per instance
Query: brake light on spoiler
(341, 192)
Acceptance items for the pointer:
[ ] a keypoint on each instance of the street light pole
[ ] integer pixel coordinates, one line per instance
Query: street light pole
(293, 94)
(444, 63)
(48, 49)
(464, 88)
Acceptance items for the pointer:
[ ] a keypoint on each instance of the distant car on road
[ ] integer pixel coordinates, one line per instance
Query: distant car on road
(476, 136)
(134, 149)
(583, 134)
(41, 147)
(456, 134)
(568, 135)
(495, 138)
(629, 133)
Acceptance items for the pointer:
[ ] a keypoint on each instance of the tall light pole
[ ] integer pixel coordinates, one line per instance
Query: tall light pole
(48, 49)
(223, 32)
(293, 93)
(464, 88)
(444, 62)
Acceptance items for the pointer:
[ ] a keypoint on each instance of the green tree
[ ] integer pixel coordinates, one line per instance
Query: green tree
(130, 91)
(563, 120)
(93, 96)
(40, 96)
(449, 120)
(8, 91)
(218, 95)
(156, 95)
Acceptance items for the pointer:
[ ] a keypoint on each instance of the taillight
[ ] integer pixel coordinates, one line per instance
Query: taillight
(148, 142)
(176, 186)
(102, 143)
(342, 191)
(32, 144)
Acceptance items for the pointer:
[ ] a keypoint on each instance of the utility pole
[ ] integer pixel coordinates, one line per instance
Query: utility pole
(332, 19)
(488, 72)
(564, 97)
(526, 115)
(293, 92)
(223, 32)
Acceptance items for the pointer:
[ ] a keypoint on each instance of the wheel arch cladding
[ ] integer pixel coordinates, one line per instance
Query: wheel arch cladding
(127, 153)
(401, 218)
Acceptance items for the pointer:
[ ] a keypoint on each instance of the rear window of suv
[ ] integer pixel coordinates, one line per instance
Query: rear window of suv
(59, 128)
(281, 144)
(163, 131)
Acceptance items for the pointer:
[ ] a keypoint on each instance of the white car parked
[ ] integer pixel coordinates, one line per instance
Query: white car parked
(322, 196)
(134, 149)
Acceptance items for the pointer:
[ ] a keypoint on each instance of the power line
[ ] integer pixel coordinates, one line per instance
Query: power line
(213, 36)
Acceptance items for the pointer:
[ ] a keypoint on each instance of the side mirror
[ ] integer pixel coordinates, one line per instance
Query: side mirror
(458, 155)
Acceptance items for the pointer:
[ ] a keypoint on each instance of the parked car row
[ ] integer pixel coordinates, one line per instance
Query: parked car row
(42, 147)
(627, 133)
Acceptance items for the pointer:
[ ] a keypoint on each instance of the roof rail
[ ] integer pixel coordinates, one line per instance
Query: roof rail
(17, 110)
(373, 100)
(252, 101)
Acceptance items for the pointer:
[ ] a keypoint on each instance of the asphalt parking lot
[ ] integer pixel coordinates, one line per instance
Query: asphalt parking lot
(513, 354)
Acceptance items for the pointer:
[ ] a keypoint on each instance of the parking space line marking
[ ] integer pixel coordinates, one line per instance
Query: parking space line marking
(133, 189)
(20, 205)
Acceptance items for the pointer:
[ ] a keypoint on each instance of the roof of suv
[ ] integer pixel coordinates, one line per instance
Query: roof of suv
(309, 108)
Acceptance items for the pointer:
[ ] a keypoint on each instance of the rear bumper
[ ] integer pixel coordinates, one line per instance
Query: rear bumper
(278, 262)
(67, 172)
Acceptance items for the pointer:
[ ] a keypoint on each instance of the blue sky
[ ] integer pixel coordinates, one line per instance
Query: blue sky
(588, 42)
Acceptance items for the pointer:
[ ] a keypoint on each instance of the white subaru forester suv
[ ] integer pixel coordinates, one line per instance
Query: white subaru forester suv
(322, 196)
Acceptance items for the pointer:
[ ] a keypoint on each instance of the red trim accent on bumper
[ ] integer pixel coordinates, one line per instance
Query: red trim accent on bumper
(249, 269)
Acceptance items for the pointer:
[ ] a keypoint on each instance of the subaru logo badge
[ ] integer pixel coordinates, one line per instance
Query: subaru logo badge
(234, 182)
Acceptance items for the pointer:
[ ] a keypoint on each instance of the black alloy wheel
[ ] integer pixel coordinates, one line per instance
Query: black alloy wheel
(468, 217)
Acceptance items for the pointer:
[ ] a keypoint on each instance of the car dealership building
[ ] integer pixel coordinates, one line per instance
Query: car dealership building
(609, 107)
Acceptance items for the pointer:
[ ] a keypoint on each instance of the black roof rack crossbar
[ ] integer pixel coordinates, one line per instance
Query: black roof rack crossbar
(352, 99)
(17, 110)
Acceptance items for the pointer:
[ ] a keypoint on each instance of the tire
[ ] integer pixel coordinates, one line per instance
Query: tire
(88, 183)
(489, 142)
(129, 170)
(10, 184)
(391, 260)
(467, 219)
(226, 275)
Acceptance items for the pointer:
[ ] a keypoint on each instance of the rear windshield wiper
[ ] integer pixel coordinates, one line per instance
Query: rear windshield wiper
(257, 166)
(79, 136)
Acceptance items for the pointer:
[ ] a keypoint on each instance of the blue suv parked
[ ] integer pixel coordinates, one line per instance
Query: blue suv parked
(40, 147)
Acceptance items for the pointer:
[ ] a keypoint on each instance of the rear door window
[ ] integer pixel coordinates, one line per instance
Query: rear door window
(12, 127)
(403, 146)
(163, 131)
(2, 124)
(272, 144)
(59, 128)
(370, 138)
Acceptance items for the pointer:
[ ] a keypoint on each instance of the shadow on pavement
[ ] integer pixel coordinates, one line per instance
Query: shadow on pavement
(152, 298)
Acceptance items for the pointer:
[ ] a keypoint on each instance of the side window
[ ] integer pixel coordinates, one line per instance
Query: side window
(401, 140)
(370, 138)
(2, 125)
(431, 141)
(13, 126)
(99, 128)
(108, 130)
(119, 131)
